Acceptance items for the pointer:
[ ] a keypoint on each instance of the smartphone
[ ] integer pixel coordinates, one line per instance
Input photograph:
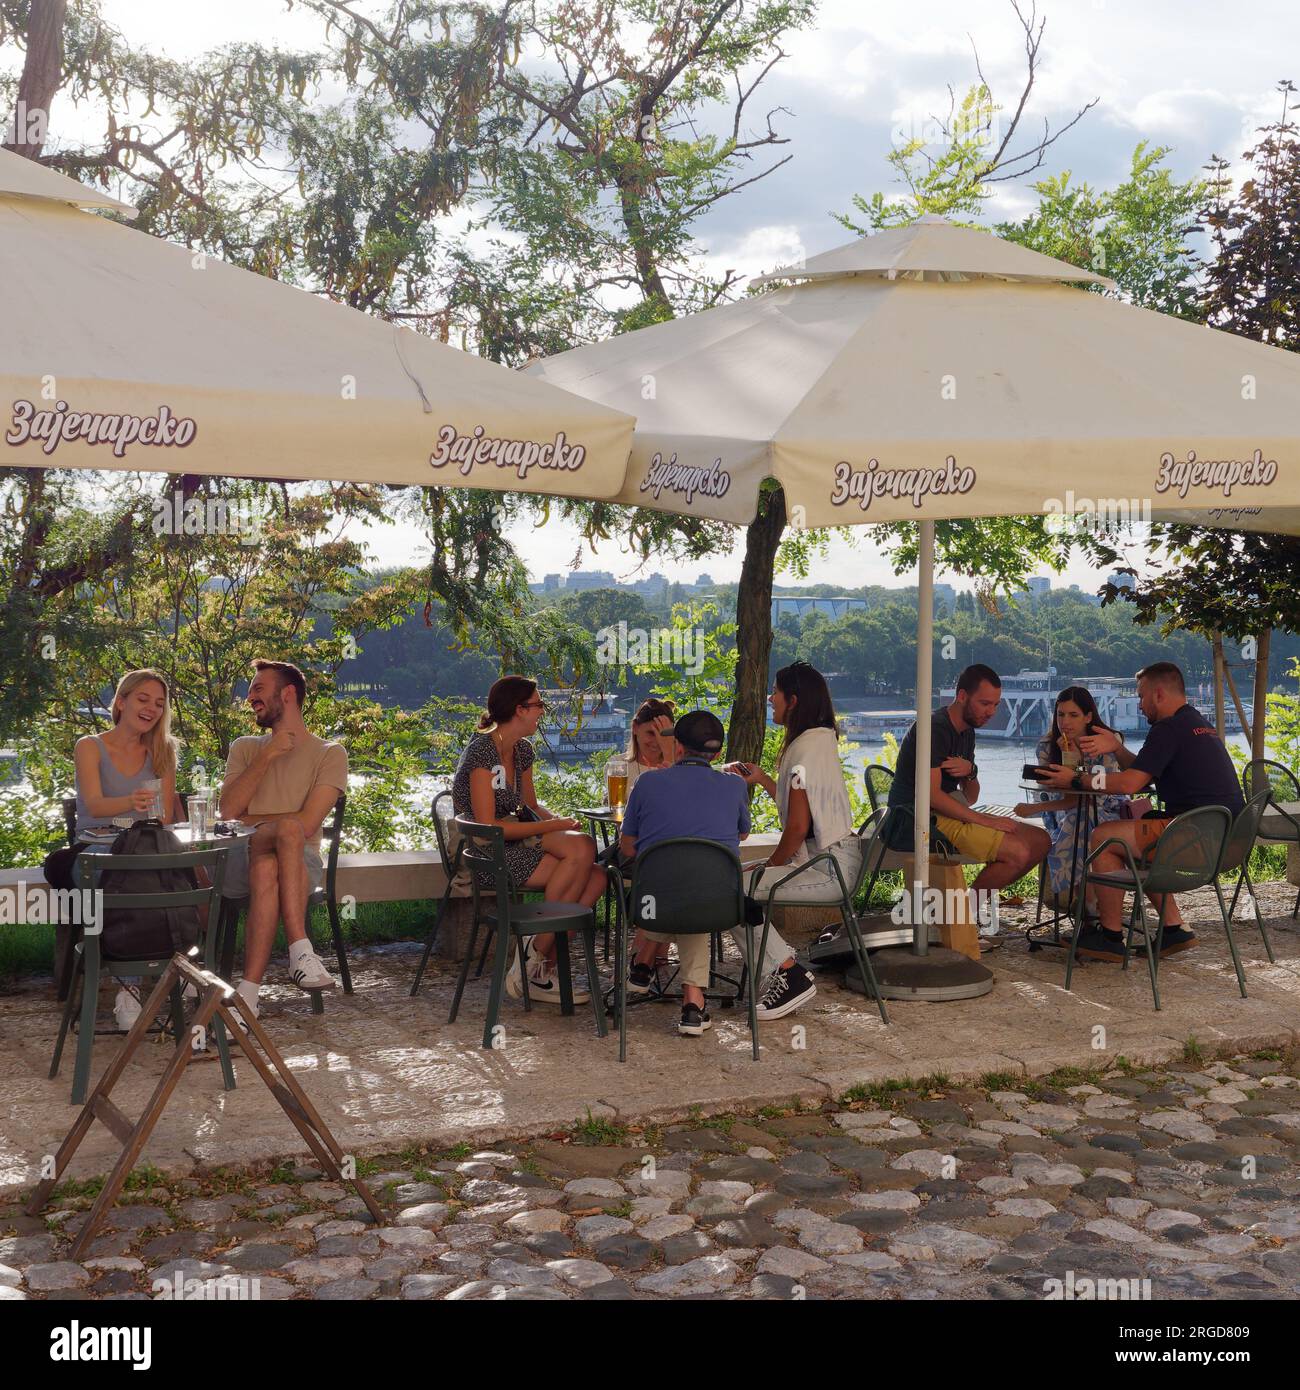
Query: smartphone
(1032, 772)
(526, 812)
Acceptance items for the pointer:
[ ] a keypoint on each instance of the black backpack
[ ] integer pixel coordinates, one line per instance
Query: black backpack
(137, 933)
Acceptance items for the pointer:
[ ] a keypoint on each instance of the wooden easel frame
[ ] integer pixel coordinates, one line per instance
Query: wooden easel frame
(216, 1000)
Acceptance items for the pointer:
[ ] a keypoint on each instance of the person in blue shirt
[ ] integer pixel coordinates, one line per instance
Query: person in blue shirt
(692, 799)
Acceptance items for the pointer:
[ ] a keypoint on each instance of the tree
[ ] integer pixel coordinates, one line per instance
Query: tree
(956, 181)
(1218, 583)
(1136, 233)
(236, 153)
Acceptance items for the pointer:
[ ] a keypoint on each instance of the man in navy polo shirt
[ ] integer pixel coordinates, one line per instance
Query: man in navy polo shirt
(688, 799)
(1184, 757)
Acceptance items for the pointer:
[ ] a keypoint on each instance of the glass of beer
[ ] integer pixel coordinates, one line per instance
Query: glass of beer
(616, 783)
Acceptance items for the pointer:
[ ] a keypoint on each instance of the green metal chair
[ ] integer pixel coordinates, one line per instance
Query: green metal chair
(844, 899)
(483, 851)
(325, 896)
(1187, 856)
(443, 814)
(879, 780)
(90, 962)
(681, 887)
(1236, 858)
(1278, 826)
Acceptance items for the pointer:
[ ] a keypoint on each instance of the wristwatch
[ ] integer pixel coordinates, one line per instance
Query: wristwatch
(1077, 781)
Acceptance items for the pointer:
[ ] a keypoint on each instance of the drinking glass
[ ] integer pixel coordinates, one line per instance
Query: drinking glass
(199, 807)
(154, 785)
(616, 784)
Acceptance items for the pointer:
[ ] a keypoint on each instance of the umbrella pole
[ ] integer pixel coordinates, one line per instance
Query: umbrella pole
(924, 695)
(917, 972)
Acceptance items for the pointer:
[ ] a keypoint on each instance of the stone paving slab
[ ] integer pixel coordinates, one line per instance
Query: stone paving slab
(878, 1197)
(385, 1070)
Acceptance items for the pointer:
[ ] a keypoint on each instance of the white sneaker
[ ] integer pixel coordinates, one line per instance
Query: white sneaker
(310, 973)
(543, 981)
(126, 1009)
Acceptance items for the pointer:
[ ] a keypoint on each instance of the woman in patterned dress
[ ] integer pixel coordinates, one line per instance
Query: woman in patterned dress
(493, 779)
(1075, 716)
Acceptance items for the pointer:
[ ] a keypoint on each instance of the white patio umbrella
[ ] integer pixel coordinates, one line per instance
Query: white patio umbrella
(935, 372)
(120, 350)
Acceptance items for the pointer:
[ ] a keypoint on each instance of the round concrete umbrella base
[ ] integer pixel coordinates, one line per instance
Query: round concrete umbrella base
(939, 975)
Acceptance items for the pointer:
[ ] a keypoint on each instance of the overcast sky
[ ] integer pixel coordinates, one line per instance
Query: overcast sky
(1196, 75)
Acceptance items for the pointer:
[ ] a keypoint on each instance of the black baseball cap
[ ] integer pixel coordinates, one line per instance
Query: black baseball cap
(700, 731)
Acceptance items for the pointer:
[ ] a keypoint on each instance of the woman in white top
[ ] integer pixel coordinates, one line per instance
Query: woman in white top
(816, 816)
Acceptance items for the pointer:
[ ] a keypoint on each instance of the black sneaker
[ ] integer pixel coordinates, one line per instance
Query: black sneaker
(786, 990)
(1100, 944)
(694, 1021)
(641, 979)
(1176, 939)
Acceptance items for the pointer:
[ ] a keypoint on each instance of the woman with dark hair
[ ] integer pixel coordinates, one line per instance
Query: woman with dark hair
(1074, 716)
(493, 780)
(816, 817)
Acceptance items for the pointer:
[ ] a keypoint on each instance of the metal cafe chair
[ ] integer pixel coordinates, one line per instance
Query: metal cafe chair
(483, 850)
(90, 961)
(1185, 857)
(844, 899)
(444, 829)
(681, 887)
(879, 780)
(1236, 856)
(1278, 826)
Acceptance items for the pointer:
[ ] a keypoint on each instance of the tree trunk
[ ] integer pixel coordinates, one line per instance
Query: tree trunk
(1220, 717)
(1258, 720)
(754, 629)
(41, 78)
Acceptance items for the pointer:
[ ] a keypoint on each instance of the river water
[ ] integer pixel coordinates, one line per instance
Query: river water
(999, 761)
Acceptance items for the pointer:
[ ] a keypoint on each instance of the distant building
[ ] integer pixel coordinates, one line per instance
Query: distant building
(704, 581)
(1122, 581)
(590, 579)
(1039, 584)
(651, 586)
(834, 608)
(947, 595)
(552, 582)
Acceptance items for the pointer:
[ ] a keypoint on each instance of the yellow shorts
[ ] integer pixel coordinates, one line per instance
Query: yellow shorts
(971, 841)
(1145, 834)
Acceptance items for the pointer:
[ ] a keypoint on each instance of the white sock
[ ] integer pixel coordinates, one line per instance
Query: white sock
(297, 950)
(250, 989)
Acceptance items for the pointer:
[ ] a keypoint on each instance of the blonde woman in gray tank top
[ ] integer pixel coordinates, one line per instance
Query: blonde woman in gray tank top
(113, 767)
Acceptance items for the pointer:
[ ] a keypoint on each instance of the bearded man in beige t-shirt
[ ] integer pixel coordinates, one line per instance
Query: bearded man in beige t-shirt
(285, 782)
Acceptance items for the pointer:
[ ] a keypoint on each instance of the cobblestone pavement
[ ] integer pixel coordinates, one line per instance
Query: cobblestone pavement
(1186, 1177)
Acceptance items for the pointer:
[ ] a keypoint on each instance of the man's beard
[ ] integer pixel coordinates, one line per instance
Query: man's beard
(271, 712)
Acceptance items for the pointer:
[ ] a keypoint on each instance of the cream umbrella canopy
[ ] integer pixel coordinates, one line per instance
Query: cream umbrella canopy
(119, 350)
(935, 372)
